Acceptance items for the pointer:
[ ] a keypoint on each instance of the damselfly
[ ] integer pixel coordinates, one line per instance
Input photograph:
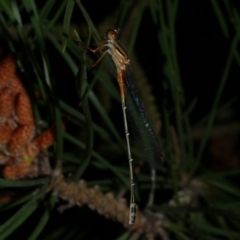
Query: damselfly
(128, 88)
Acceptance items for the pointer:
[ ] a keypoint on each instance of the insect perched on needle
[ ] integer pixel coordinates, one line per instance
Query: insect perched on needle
(152, 146)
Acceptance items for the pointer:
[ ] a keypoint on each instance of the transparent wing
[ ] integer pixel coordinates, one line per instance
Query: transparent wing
(138, 120)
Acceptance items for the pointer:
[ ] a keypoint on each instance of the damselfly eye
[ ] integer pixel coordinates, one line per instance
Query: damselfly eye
(112, 34)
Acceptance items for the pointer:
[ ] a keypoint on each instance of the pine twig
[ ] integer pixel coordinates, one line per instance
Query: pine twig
(109, 206)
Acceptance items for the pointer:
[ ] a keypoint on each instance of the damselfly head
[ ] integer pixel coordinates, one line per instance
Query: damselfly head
(112, 34)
